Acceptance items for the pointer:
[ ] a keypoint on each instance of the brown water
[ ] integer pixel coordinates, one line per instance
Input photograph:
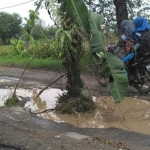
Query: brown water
(131, 114)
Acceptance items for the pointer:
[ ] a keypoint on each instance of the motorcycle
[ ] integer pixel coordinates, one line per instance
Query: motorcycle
(137, 68)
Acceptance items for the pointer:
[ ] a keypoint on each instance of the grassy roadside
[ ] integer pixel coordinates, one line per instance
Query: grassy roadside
(8, 59)
(15, 61)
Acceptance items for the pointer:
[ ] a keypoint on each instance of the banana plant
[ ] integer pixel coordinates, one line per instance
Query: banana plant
(52, 11)
(112, 66)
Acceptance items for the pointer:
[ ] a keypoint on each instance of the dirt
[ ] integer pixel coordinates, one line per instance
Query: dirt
(20, 130)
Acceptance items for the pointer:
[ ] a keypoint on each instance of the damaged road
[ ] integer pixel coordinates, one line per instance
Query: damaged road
(20, 130)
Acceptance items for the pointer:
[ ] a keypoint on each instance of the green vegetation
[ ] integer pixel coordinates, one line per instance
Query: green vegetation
(12, 101)
(77, 39)
(10, 27)
(8, 58)
(124, 9)
(111, 65)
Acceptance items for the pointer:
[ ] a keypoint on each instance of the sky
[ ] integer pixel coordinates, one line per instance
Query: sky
(23, 10)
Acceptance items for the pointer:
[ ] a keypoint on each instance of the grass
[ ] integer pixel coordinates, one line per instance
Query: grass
(15, 61)
(5, 50)
(7, 58)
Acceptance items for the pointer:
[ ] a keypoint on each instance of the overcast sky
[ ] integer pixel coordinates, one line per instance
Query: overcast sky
(23, 10)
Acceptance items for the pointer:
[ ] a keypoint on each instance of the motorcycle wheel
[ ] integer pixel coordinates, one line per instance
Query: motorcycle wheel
(143, 81)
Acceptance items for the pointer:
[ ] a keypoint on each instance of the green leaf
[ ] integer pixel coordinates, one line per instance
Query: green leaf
(112, 66)
(97, 40)
(50, 6)
(77, 7)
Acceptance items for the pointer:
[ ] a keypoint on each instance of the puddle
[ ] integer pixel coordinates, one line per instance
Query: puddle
(132, 114)
(8, 79)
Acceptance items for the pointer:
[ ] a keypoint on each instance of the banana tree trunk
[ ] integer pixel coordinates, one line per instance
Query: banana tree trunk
(74, 82)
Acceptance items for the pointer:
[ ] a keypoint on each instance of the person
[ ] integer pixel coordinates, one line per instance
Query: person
(126, 38)
(142, 33)
(127, 29)
(141, 25)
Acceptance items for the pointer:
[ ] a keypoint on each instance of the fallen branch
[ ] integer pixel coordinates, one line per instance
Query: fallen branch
(44, 111)
(22, 76)
(49, 85)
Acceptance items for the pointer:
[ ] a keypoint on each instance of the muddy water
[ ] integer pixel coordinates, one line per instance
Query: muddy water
(132, 114)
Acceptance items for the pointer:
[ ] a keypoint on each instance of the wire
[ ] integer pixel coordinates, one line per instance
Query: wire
(17, 4)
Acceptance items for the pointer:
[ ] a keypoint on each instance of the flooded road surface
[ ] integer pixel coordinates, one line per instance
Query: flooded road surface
(131, 114)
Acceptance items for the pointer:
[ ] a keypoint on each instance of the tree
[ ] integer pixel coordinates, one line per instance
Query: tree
(30, 24)
(121, 11)
(70, 39)
(50, 32)
(10, 26)
(40, 31)
(78, 24)
(37, 31)
(107, 7)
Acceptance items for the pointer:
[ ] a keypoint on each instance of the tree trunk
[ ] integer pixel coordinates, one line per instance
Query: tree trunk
(74, 82)
(121, 11)
(27, 41)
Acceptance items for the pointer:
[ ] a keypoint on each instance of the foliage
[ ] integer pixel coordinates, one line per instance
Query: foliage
(106, 8)
(17, 46)
(12, 101)
(5, 50)
(40, 32)
(71, 42)
(110, 37)
(1, 41)
(10, 26)
(45, 49)
(52, 11)
(30, 22)
(110, 67)
(37, 63)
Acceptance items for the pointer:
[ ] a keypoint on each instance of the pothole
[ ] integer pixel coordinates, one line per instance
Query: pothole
(131, 114)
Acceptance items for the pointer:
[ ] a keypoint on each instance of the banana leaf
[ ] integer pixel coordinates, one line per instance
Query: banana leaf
(77, 7)
(112, 66)
(52, 11)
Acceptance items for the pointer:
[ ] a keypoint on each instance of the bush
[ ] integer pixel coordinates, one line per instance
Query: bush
(1, 41)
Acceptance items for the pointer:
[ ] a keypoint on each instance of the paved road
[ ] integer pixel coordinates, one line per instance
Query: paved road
(19, 130)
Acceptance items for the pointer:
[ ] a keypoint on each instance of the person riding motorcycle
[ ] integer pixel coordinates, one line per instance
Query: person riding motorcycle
(141, 33)
(125, 41)
(136, 58)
